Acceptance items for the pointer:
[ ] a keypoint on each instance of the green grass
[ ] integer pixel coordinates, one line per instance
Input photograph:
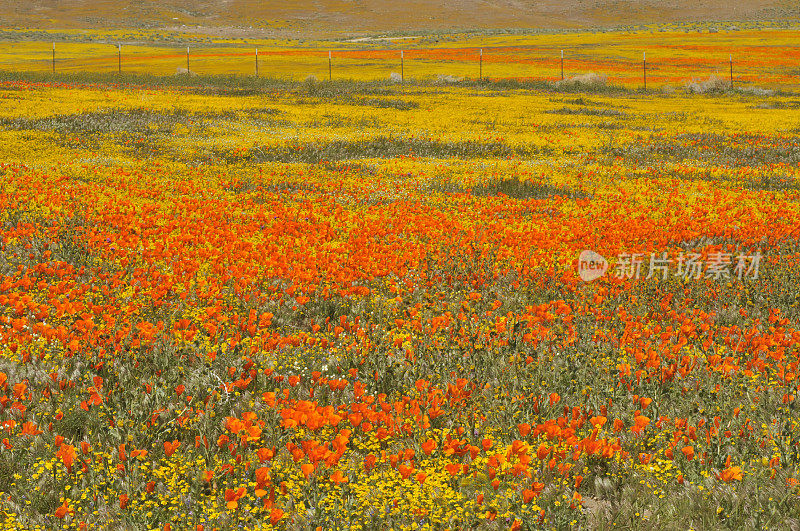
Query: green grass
(514, 187)
(722, 149)
(376, 147)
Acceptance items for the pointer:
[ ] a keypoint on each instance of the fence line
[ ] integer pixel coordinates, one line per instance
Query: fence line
(501, 62)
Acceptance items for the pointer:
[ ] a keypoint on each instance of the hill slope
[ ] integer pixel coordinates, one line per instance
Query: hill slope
(353, 17)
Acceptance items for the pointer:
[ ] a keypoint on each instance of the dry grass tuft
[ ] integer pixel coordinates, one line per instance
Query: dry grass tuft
(584, 80)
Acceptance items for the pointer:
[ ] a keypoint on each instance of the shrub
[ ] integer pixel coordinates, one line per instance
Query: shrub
(704, 86)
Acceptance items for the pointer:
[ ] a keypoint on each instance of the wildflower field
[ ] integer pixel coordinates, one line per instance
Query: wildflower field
(675, 54)
(357, 305)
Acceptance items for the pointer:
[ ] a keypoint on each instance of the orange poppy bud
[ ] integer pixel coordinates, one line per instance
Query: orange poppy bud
(275, 516)
(63, 510)
(337, 477)
(405, 471)
(429, 446)
(688, 451)
(731, 474)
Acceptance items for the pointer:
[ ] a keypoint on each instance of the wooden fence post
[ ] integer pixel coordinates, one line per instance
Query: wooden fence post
(330, 67)
(54, 57)
(256, 61)
(562, 65)
(480, 66)
(644, 69)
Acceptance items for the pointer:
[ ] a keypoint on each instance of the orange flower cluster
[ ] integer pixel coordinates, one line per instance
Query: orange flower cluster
(339, 344)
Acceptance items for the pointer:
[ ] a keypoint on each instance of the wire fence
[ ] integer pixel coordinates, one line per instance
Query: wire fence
(658, 66)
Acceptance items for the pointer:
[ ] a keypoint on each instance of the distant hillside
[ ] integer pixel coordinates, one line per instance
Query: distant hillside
(328, 18)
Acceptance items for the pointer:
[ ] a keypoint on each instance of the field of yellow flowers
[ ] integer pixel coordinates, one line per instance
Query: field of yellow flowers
(358, 305)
